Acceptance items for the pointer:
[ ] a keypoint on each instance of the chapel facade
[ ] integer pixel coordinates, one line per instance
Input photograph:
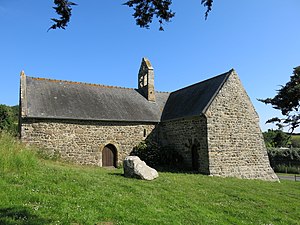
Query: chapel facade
(211, 124)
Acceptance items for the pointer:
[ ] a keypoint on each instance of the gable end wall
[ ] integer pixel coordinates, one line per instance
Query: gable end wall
(235, 143)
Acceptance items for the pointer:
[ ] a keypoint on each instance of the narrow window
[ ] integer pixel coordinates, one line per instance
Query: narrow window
(145, 132)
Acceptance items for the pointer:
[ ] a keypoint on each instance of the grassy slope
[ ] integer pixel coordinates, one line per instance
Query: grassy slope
(45, 192)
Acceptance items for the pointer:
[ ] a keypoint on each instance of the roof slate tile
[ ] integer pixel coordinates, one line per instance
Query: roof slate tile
(59, 99)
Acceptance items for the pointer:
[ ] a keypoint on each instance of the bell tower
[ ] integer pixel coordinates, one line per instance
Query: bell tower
(146, 80)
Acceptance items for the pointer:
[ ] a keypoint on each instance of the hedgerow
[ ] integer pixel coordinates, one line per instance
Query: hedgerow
(285, 159)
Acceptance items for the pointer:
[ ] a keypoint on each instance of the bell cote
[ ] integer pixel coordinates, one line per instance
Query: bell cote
(146, 80)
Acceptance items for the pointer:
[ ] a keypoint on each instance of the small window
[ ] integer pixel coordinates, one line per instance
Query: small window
(145, 133)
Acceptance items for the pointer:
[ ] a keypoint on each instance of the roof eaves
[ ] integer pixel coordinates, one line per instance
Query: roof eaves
(89, 119)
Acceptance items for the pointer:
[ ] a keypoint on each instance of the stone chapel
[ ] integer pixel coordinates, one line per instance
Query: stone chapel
(212, 124)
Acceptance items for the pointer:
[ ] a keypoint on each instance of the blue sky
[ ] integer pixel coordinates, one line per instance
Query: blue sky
(102, 44)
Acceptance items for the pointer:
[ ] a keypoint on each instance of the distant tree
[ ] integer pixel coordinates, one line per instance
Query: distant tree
(295, 141)
(9, 118)
(276, 139)
(287, 101)
(144, 11)
(15, 113)
(5, 120)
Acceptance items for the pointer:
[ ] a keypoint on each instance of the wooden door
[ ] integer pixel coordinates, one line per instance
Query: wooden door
(109, 156)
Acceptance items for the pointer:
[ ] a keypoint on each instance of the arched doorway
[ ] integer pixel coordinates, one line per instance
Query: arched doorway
(109, 156)
(195, 158)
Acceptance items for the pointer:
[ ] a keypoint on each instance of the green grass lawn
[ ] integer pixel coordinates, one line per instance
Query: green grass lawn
(35, 191)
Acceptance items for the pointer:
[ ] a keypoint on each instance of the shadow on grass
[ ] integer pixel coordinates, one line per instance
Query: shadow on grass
(163, 169)
(118, 174)
(20, 216)
(167, 169)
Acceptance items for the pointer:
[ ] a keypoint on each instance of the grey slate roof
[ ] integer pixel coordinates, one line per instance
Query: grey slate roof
(56, 99)
(193, 100)
(70, 100)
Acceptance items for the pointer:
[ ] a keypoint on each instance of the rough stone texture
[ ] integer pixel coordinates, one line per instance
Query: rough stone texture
(83, 141)
(182, 135)
(235, 143)
(136, 168)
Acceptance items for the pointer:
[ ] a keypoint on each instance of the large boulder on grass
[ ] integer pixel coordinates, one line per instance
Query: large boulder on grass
(136, 168)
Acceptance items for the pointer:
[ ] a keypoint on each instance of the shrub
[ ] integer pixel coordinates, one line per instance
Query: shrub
(148, 152)
(285, 159)
(155, 155)
(9, 119)
(295, 141)
(287, 169)
(276, 139)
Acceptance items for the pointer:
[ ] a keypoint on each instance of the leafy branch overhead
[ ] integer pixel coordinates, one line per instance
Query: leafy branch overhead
(144, 12)
(208, 4)
(64, 10)
(287, 101)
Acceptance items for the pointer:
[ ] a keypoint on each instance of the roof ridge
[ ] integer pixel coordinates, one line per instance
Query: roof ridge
(223, 74)
(78, 83)
(167, 92)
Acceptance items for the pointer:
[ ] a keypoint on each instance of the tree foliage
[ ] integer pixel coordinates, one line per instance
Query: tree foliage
(9, 118)
(64, 9)
(285, 160)
(287, 101)
(295, 141)
(208, 5)
(144, 12)
(276, 139)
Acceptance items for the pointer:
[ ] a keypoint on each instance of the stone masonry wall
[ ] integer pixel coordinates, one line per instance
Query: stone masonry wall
(182, 134)
(235, 142)
(82, 142)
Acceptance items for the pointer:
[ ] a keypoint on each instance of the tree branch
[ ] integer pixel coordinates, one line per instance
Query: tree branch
(287, 101)
(208, 4)
(64, 9)
(144, 12)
